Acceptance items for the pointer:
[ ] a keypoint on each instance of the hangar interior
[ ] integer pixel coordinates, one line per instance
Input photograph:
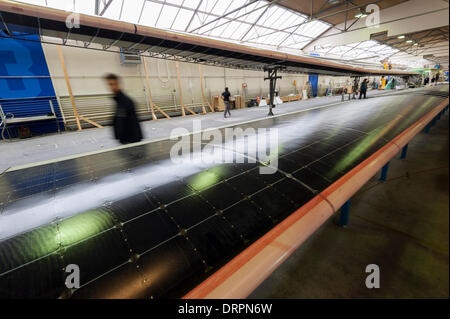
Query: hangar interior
(350, 99)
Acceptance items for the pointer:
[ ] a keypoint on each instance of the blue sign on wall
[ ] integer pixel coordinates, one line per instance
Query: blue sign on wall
(25, 79)
(314, 80)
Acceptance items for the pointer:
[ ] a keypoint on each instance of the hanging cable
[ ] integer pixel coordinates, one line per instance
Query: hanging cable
(164, 82)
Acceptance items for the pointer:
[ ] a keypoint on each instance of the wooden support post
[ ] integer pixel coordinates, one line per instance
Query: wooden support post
(149, 92)
(161, 111)
(69, 88)
(90, 122)
(210, 107)
(177, 65)
(201, 86)
(189, 109)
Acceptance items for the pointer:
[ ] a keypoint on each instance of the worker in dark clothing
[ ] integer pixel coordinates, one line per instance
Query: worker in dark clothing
(126, 123)
(355, 87)
(363, 89)
(226, 100)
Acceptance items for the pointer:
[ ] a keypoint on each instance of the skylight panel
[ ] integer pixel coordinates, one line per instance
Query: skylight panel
(260, 21)
(275, 19)
(235, 4)
(293, 41)
(368, 44)
(131, 13)
(36, 2)
(254, 13)
(150, 14)
(315, 28)
(229, 31)
(269, 14)
(85, 8)
(113, 10)
(220, 28)
(167, 17)
(253, 33)
(59, 4)
(192, 4)
(287, 20)
(182, 20)
(174, 2)
(199, 20)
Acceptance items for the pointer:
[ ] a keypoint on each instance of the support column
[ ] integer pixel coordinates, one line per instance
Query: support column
(272, 72)
(384, 172)
(404, 151)
(344, 213)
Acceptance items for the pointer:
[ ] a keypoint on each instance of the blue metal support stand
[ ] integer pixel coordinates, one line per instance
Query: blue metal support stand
(433, 122)
(384, 172)
(345, 214)
(404, 151)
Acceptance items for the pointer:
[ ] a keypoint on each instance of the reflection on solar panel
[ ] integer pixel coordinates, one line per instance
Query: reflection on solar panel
(139, 226)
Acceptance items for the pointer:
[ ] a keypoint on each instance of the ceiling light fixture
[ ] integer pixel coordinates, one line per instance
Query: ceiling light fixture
(409, 41)
(401, 37)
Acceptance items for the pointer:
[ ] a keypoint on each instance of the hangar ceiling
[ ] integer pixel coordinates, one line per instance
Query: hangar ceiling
(335, 11)
(284, 25)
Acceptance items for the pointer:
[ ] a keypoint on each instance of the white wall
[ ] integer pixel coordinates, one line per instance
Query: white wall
(86, 69)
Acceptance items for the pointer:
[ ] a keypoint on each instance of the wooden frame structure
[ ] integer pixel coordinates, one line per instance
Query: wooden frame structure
(149, 94)
(153, 106)
(78, 117)
(180, 91)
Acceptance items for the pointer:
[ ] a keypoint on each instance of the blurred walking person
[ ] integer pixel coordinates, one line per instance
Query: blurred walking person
(126, 123)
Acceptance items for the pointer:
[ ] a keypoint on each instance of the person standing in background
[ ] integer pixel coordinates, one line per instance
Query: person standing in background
(308, 89)
(226, 100)
(126, 123)
(363, 89)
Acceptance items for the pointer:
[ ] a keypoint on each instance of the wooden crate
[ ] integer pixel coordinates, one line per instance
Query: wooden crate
(239, 102)
(218, 104)
(290, 98)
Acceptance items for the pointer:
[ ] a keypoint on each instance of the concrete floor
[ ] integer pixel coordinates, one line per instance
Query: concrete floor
(402, 225)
